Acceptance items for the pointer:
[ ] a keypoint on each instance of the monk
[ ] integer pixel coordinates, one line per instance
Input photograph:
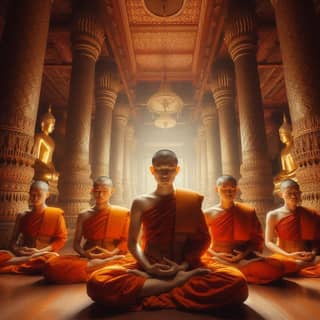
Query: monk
(100, 238)
(237, 237)
(168, 272)
(37, 235)
(293, 233)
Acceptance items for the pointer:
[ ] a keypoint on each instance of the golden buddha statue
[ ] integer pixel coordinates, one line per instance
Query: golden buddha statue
(44, 147)
(288, 166)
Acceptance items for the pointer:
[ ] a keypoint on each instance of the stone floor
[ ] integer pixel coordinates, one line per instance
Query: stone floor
(29, 297)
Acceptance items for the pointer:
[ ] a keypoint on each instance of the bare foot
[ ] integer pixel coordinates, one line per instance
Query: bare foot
(184, 276)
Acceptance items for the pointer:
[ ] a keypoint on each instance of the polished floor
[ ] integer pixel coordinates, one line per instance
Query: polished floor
(29, 297)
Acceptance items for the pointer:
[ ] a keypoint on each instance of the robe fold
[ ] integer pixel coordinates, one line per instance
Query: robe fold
(107, 229)
(237, 228)
(175, 228)
(37, 230)
(298, 232)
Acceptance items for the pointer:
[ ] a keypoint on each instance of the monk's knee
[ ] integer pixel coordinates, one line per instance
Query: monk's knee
(240, 286)
(116, 289)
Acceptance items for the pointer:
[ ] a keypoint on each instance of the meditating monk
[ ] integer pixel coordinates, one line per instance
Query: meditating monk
(293, 233)
(38, 234)
(168, 272)
(237, 237)
(100, 238)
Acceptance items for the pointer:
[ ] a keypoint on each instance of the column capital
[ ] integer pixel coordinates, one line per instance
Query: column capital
(240, 36)
(87, 30)
(107, 83)
(121, 114)
(223, 82)
(130, 132)
(208, 114)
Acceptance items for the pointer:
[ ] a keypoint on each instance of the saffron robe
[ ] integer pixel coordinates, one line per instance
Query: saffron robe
(237, 228)
(37, 230)
(175, 230)
(300, 230)
(107, 229)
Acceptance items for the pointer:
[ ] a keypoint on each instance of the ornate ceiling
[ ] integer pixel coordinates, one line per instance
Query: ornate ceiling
(146, 47)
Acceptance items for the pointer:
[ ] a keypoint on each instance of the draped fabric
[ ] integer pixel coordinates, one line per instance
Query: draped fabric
(303, 227)
(37, 230)
(116, 288)
(106, 228)
(236, 228)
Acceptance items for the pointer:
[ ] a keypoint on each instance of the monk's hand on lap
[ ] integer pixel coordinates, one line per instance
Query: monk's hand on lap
(26, 251)
(160, 270)
(302, 256)
(228, 257)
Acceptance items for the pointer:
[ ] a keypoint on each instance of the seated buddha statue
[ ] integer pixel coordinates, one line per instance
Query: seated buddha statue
(44, 147)
(288, 166)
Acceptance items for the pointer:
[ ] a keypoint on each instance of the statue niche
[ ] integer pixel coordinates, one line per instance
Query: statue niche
(288, 166)
(44, 148)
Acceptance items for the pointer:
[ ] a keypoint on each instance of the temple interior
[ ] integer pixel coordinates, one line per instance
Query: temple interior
(94, 88)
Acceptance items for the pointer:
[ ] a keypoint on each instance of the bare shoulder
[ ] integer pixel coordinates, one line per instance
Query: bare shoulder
(277, 213)
(85, 214)
(212, 211)
(143, 202)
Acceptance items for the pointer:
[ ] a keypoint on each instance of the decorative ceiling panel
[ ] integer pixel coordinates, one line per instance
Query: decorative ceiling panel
(137, 14)
(153, 62)
(165, 42)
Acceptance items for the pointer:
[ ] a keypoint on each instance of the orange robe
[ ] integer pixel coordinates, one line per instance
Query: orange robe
(236, 228)
(106, 228)
(182, 237)
(37, 230)
(301, 227)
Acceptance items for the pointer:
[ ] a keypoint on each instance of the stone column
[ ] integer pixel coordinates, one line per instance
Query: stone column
(210, 122)
(120, 120)
(75, 183)
(128, 159)
(197, 168)
(256, 176)
(222, 87)
(22, 55)
(300, 55)
(203, 168)
(106, 91)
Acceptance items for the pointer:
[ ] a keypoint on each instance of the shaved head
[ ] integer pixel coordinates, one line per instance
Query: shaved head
(39, 184)
(102, 181)
(287, 183)
(164, 155)
(226, 178)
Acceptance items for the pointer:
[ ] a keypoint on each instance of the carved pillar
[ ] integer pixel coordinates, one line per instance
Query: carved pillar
(22, 56)
(203, 168)
(120, 120)
(75, 182)
(210, 122)
(256, 177)
(106, 91)
(128, 159)
(300, 55)
(197, 169)
(222, 88)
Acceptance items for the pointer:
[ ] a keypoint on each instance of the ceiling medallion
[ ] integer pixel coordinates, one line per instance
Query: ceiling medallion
(165, 104)
(164, 8)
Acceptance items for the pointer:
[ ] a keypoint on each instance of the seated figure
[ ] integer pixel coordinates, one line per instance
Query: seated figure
(37, 236)
(167, 236)
(293, 233)
(237, 237)
(288, 166)
(100, 239)
(44, 148)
